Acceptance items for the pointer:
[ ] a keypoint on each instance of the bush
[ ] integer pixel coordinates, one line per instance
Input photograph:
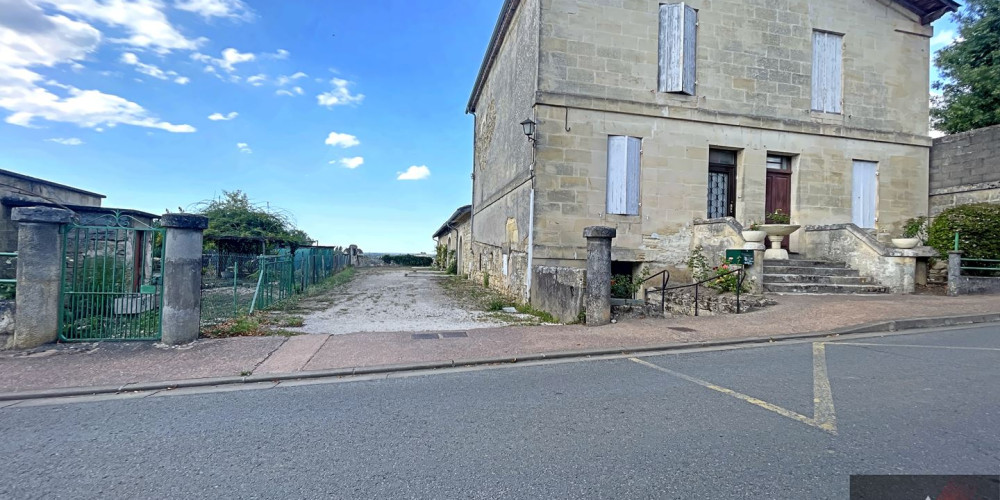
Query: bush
(624, 286)
(978, 227)
(453, 267)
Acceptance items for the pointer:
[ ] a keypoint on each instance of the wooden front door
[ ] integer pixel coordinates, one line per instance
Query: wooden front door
(778, 189)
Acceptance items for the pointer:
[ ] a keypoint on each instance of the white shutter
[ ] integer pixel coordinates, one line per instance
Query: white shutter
(632, 176)
(617, 173)
(827, 73)
(678, 44)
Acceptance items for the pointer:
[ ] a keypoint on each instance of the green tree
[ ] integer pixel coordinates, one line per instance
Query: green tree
(970, 71)
(235, 215)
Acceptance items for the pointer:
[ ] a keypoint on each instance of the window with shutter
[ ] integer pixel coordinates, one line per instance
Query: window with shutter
(678, 47)
(623, 174)
(827, 72)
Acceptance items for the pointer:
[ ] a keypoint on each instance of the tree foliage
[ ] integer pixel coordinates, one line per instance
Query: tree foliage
(234, 215)
(970, 71)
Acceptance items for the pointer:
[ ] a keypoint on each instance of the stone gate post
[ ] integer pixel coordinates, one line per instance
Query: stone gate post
(39, 274)
(954, 273)
(598, 299)
(182, 277)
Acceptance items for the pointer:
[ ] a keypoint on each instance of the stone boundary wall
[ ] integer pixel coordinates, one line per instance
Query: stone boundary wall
(965, 168)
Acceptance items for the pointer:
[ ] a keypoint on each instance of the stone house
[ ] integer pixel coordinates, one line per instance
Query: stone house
(454, 237)
(17, 189)
(652, 115)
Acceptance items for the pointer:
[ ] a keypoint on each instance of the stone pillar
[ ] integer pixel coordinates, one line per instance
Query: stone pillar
(598, 299)
(755, 273)
(39, 274)
(954, 272)
(182, 277)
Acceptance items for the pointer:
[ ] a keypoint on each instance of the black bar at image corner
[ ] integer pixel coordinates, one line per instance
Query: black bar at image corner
(905, 487)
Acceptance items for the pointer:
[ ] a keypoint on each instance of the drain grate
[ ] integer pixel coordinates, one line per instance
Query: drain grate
(681, 329)
(439, 335)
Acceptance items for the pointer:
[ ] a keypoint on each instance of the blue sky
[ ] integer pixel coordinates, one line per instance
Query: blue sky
(348, 114)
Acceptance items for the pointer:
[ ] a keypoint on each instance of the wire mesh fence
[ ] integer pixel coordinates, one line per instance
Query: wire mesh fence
(234, 285)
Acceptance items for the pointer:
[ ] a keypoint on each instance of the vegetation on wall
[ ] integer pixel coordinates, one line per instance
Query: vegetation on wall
(407, 260)
(978, 227)
(970, 71)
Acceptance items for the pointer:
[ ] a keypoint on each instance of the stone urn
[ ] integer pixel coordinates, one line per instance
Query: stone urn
(754, 239)
(775, 234)
(905, 243)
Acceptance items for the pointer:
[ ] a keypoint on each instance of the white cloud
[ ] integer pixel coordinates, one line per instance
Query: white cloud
(257, 80)
(294, 91)
(223, 117)
(66, 141)
(230, 58)
(342, 140)
(285, 80)
(280, 54)
(143, 20)
(151, 70)
(351, 163)
(243, 147)
(414, 173)
(943, 39)
(232, 9)
(340, 95)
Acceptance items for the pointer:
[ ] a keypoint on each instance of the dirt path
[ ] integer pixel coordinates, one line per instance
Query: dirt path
(390, 300)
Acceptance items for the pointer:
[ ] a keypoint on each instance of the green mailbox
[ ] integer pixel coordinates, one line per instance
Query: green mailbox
(740, 257)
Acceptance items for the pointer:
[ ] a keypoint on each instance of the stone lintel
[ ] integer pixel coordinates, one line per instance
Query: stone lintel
(45, 215)
(599, 232)
(184, 221)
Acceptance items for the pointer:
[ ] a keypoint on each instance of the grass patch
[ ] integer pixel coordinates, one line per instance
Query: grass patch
(487, 299)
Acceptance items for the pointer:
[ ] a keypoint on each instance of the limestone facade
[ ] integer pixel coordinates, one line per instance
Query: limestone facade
(585, 70)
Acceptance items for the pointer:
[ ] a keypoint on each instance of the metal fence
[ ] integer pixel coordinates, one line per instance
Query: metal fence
(8, 275)
(238, 284)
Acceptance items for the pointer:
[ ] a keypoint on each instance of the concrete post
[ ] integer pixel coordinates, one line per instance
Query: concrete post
(182, 277)
(598, 299)
(954, 272)
(755, 273)
(39, 274)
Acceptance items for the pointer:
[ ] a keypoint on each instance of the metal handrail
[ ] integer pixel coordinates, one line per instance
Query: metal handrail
(741, 278)
(665, 277)
(8, 281)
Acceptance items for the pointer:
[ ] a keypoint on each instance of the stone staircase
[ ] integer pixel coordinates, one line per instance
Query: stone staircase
(799, 275)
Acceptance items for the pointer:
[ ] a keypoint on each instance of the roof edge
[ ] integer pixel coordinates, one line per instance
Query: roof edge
(496, 41)
(929, 16)
(449, 224)
(50, 183)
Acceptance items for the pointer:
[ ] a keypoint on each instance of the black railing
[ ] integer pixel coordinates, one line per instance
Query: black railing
(740, 280)
(664, 278)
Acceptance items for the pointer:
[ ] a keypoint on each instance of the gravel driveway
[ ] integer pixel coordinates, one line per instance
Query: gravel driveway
(390, 300)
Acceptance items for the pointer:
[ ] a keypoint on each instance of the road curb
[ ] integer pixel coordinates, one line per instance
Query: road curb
(874, 327)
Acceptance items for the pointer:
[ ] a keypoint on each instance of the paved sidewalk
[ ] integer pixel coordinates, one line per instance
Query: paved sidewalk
(119, 364)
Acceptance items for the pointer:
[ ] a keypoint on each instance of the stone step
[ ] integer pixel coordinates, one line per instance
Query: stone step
(809, 270)
(817, 278)
(822, 288)
(802, 263)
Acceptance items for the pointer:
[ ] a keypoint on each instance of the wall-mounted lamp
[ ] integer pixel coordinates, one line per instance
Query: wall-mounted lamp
(529, 128)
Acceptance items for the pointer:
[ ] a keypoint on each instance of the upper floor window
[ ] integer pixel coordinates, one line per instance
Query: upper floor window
(623, 174)
(678, 44)
(827, 72)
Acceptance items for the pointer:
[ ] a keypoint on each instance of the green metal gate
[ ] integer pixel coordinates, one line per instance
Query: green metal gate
(111, 280)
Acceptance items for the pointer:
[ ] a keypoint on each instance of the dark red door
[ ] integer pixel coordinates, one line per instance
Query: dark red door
(779, 194)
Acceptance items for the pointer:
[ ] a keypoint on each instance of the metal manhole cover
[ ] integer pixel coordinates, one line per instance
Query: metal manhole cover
(681, 329)
(454, 335)
(425, 336)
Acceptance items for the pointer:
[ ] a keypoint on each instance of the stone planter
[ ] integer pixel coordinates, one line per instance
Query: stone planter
(754, 240)
(905, 243)
(775, 234)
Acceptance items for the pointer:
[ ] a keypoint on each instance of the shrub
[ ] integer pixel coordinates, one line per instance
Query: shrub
(916, 228)
(978, 227)
(453, 267)
(624, 286)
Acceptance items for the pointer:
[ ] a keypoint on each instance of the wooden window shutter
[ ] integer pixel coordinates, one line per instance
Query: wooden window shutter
(827, 72)
(623, 174)
(678, 48)
(617, 173)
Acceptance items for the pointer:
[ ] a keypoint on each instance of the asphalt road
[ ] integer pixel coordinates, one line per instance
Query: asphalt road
(781, 421)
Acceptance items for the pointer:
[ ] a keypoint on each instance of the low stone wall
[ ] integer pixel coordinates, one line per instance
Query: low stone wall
(716, 236)
(6, 322)
(891, 267)
(710, 303)
(959, 284)
(945, 198)
(559, 291)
